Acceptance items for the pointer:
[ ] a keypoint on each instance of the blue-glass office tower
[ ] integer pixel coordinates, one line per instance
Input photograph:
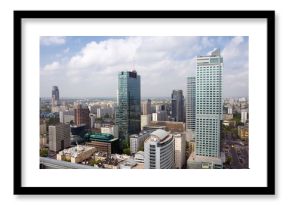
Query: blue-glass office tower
(209, 104)
(128, 114)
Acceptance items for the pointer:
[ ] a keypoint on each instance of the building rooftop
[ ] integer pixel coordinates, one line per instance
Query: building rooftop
(161, 134)
(76, 151)
(101, 137)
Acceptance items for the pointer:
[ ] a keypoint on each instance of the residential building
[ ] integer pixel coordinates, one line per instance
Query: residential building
(244, 115)
(243, 132)
(129, 104)
(180, 145)
(59, 137)
(159, 150)
(137, 141)
(82, 113)
(177, 105)
(146, 107)
(66, 116)
(76, 154)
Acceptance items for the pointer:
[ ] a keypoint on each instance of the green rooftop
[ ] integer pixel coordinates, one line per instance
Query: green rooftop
(101, 137)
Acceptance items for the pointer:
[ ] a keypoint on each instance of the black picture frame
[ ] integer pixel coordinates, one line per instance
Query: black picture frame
(268, 190)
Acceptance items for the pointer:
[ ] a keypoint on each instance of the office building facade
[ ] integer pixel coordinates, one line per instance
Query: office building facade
(209, 104)
(129, 104)
(55, 96)
(59, 137)
(159, 150)
(190, 104)
(177, 105)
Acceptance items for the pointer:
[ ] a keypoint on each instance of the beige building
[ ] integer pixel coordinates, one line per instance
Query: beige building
(76, 154)
(180, 146)
(243, 132)
(145, 120)
(111, 129)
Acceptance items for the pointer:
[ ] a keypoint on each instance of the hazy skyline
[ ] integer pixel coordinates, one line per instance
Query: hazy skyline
(89, 66)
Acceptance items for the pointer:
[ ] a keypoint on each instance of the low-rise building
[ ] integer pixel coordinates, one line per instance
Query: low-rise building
(243, 132)
(76, 154)
(110, 129)
(103, 142)
(137, 141)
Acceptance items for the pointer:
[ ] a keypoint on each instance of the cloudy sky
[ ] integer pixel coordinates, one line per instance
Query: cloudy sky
(84, 66)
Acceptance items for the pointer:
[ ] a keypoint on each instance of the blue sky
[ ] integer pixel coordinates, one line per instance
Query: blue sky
(87, 66)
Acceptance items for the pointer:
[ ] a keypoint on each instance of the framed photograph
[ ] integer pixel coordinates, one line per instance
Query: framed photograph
(144, 102)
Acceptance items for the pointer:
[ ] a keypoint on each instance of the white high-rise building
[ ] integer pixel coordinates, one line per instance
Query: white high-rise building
(244, 116)
(159, 150)
(190, 103)
(137, 141)
(209, 104)
(180, 145)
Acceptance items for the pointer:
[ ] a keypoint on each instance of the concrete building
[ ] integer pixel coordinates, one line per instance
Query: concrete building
(180, 145)
(159, 116)
(244, 116)
(92, 119)
(177, 105)
(66, 116)
(81, 113)
(137, 141)
(146, 107)
(190, 104)
(169, 126)
(145, 120)
(129, 104)
(110, 129)
(104, 111)
(202, 162)
(59, 137)
(139, 157)
(159, 150)
(76, 154)
(209, 104)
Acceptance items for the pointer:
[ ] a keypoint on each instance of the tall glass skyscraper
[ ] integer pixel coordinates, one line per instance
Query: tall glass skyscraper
(209, 108)
(128, 114)
(55, 96)
(177, 105)
(190, 103)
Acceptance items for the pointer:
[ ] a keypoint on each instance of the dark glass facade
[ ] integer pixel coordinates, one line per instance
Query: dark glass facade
(129, 104)
(177, 105)
(55, 96)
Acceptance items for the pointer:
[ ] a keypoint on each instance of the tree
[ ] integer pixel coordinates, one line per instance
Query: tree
(229, 160)
(43, 152)
(126, 151)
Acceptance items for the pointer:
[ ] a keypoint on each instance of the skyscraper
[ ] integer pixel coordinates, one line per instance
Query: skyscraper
(177, 103)
(129, 104)
(190, 103)
(55, 96)
(146, 107)
(209, 107)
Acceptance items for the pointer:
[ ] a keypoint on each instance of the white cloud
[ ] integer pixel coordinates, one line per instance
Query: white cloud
(51, 67)
(52, 40)
(162, 62)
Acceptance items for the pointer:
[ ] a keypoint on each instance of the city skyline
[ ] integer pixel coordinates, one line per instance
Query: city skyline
(72, 65)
